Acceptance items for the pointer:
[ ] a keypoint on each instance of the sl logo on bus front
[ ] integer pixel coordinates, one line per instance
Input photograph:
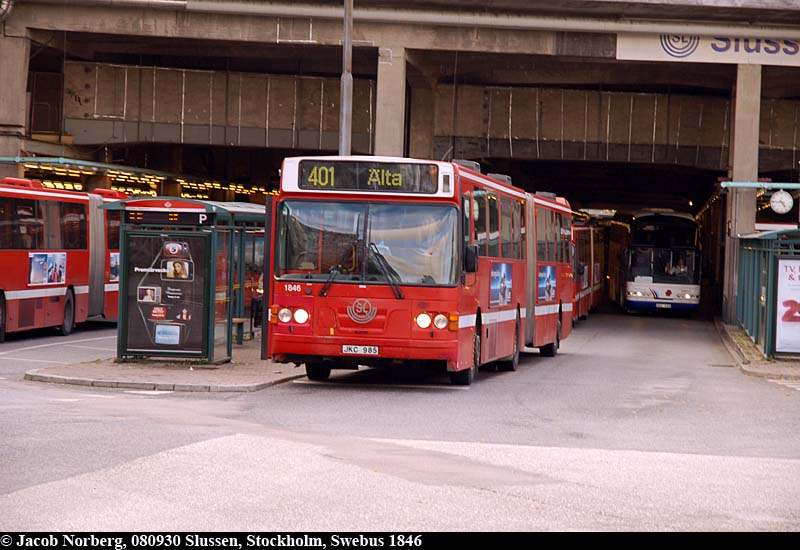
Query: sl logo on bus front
(362, 311)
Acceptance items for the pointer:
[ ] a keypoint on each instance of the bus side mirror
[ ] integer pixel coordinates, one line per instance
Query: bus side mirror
(471, 258)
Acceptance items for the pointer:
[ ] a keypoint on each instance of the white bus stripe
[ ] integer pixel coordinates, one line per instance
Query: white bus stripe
(35, 293)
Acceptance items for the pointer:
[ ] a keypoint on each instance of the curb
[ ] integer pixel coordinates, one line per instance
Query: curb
(36, 376)
(757, 370)
(730, 344)
(751, 370)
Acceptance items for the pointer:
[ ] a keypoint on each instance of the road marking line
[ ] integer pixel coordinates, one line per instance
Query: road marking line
(786, 384)
(34, 360)
(90, 347)
(57, 344)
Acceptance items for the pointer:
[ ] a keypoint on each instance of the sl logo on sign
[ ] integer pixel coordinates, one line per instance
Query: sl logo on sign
(679, 45)
(362, 311)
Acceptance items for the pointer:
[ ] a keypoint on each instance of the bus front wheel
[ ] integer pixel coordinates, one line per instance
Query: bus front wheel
(318, 371)
(467, 376)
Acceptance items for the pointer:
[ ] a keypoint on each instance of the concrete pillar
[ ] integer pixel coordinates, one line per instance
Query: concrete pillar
(96, 181)
(390, 112)
(14, 55)
(170, 188)
(741, 203)
(422, 119)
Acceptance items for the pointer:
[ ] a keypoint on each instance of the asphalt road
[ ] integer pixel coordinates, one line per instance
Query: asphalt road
(640, 423)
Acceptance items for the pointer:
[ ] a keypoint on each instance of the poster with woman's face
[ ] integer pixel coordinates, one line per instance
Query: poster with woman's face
(547, 283)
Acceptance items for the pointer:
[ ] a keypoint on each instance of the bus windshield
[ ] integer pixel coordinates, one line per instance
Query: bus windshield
(367, 242)
(664, 265)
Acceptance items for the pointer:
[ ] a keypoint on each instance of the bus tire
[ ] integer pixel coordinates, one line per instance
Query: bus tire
(318, 371)
(551, 349)
(513, 363)
(69, 314)
(2, 318)
(467, 376)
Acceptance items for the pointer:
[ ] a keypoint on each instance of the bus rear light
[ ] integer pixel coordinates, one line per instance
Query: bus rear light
(440, 321)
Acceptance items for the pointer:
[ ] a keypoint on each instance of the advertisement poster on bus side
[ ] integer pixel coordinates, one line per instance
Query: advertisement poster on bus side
(787, 323)
(500, 289)
(166, 293)
(547, 283)
(47, 268)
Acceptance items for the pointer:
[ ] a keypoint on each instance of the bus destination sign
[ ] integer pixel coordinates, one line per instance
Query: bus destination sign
(381, 177)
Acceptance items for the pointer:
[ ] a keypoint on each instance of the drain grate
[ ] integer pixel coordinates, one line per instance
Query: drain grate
(721, 365)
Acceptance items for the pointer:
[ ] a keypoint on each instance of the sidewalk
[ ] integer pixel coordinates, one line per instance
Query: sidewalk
(749, 358)
(245, 373)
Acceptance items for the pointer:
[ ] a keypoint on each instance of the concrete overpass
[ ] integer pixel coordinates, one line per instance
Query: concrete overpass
(574, 96)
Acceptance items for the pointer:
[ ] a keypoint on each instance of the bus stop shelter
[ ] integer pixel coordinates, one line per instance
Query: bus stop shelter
(768, 297)
(188, 273)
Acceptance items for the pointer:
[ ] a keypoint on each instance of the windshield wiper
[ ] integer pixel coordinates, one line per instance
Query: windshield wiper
(327, 286)
(383, 264)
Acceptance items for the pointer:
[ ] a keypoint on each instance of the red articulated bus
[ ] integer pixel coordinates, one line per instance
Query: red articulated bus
(60, 256)
(589, 242)
(387, 261)
(582, 237)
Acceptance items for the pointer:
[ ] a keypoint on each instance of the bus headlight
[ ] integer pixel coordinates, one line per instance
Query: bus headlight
(687, 296)
(423, 320)
(440, 321)
(301, 316)
(284, 315)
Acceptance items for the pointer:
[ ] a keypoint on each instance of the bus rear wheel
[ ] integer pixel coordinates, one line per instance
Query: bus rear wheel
(69, 315)
(318, 371)
(513, 363)
(551, 349)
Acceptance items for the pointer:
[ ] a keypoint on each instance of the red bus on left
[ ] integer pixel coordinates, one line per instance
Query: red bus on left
(60, 256)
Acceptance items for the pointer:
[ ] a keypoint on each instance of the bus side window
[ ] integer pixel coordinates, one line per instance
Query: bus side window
(52, 224)
(466, 211)
(479, 215)
(552, 235)
(27, 225)
(565, 238)
(6, 224)
(523, 232)
(509, 250)
(541, 235)
(73, 226)
(112, 229)
(493, 205)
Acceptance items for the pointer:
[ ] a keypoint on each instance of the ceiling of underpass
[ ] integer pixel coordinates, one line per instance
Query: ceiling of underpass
(587, 184)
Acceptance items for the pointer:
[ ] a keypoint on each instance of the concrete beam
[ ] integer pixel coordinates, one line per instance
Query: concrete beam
(273, 30)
